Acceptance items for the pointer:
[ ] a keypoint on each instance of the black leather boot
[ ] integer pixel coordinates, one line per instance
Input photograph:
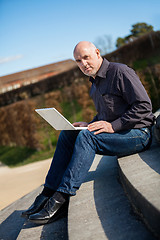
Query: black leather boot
(38, 204)
(52, 210)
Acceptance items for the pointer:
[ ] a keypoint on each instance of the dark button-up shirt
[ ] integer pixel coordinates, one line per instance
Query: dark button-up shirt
(120, 97)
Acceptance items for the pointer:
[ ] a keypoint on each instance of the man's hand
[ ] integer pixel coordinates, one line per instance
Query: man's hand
(101, 126)
(80, 124)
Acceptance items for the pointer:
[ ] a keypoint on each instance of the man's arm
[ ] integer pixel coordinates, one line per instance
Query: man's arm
(139, 104)
(138, 101)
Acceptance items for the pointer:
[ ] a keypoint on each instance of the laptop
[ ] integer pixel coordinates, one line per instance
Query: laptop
(56, 119)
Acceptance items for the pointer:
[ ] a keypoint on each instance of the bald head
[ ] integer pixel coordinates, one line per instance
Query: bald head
(87, 57)
(84, 44)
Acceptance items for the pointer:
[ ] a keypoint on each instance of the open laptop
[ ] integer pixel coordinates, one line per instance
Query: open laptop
(56, 120)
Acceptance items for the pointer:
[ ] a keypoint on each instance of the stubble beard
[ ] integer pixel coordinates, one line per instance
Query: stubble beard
(90, 74)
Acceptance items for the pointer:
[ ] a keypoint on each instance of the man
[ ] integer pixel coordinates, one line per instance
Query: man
(121, 127)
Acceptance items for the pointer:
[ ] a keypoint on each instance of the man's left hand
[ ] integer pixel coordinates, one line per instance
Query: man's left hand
(101, 126)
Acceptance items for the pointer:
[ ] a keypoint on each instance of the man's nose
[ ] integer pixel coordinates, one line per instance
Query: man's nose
(83, 62)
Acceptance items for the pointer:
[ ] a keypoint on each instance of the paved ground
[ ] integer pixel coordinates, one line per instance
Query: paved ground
(17, 182)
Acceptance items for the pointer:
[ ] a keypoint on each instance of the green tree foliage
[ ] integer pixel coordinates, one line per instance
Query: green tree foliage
(141, 28)
(137, 30)
(120, 42)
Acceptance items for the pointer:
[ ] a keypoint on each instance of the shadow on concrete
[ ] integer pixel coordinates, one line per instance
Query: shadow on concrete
(56, 230)
(113, 207)
(28, 225)
(11, 227)
(151, 157)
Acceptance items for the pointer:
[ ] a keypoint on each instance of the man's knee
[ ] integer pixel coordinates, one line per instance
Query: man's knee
(84, 134)
(86, 137)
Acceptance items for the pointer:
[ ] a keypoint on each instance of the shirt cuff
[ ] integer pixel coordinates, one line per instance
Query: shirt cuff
(117, 125)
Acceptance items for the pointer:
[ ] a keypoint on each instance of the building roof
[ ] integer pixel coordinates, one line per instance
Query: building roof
(19, 79)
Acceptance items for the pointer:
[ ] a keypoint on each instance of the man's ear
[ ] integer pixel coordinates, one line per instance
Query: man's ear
(98, 53)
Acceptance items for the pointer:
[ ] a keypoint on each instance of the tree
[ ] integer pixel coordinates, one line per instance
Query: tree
(104, 44)
(137, 30)
(120, 42)
(141, 28)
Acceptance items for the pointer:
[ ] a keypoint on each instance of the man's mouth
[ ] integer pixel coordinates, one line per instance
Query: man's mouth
(87, 69)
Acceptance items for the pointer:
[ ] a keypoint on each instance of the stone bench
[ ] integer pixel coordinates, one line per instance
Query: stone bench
(140, 177)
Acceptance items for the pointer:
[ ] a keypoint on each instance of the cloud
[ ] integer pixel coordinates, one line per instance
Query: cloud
(9, 59)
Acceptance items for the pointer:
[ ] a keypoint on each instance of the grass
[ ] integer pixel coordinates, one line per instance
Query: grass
(18, 156)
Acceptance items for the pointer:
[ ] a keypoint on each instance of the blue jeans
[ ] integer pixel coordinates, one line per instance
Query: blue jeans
(76, 150)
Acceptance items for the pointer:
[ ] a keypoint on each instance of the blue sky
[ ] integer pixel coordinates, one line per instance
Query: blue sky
(39, 32)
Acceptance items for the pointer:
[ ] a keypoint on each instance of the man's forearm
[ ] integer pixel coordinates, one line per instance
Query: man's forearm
(134, 115)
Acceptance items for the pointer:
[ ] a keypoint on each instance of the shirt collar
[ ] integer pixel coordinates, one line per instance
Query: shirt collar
(102, 71)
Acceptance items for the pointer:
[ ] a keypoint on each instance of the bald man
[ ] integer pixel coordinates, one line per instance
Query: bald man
(121, 127)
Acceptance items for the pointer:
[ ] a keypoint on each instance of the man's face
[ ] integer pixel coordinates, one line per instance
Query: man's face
(88, 60)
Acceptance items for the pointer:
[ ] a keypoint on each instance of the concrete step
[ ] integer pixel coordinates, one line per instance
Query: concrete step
(14, 227)
(140, 176)
(100, 210)
(11, 222)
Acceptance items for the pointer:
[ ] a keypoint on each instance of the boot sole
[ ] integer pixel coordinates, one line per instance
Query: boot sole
(50, 220)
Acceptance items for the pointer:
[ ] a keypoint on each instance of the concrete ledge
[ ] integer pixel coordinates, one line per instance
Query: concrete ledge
(140, 176)
(100, 209)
